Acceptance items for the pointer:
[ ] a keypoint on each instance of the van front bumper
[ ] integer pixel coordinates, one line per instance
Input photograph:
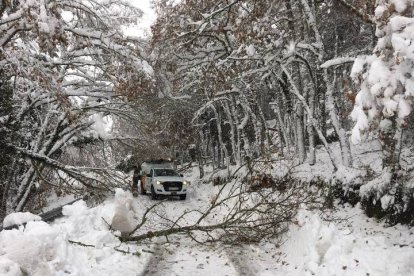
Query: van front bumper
(170, 190)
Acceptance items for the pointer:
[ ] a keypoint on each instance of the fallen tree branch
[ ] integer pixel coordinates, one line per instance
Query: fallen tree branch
(235, 214)
(80, 243)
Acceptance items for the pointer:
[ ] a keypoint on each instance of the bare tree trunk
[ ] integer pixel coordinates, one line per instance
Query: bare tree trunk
(311, 130)
(340, 131)
(312, 155)
(299, 126)
(222, 150)
(282, 130)
(265, 135)
(200, 153)
(257, 125)
(213, 152)
(230, 118)
(321, 101)
(391, 142)
(5, 187)
(23, 189)
(236, 122)
(300, 136)
(286, 107)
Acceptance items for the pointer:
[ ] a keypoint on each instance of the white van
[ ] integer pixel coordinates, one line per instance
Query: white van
(160, 178)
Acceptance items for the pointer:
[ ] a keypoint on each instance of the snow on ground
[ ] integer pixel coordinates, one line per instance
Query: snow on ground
(365, 155)
(184, 258)
(77, 244)
(355, 245)
(19, 218)
(80, 243)
(55, 201)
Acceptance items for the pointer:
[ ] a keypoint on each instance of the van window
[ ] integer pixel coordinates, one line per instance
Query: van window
(165, 172)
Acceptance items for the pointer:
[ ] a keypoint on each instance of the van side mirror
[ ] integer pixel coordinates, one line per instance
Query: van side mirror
(148, 175)
(181, 175)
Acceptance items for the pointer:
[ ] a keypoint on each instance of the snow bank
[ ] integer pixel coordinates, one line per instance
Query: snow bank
(9, 268)
(316, 247)
(19, 218)
(38, 249)
(80, 243)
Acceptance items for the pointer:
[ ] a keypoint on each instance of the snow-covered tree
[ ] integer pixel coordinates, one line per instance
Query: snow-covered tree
(235, 57)
(66, 64)
(385, 78)
(200, 65)
(385, 99)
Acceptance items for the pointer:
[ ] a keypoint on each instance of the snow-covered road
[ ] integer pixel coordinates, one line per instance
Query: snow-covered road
(80, 243)
(349, 243)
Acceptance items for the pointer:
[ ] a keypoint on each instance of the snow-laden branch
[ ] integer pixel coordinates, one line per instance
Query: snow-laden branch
(201, 25)
(207, 105)
(10, 33)
(10, 18)
(337, 61)
(75, 171)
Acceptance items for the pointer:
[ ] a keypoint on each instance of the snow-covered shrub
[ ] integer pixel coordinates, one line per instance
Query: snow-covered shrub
(384, 103)
(347, 182)
(394, 202)
(385, 77)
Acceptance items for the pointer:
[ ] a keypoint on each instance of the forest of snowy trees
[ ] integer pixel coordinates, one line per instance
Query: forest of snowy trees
(288, 77)
(233, 80)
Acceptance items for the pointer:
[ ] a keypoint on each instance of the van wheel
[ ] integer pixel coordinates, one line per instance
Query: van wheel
(153, 194)
(183, 197)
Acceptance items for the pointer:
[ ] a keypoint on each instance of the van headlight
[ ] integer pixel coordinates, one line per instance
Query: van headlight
(158, 182)
(185, 183)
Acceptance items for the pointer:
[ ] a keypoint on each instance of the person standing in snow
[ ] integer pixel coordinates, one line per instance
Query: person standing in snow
(135, 178)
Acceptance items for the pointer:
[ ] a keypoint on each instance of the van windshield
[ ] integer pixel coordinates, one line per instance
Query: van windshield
(165, 172)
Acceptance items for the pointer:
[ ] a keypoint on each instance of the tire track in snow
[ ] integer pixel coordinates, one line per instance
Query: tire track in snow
(156, 265)
(238, 259)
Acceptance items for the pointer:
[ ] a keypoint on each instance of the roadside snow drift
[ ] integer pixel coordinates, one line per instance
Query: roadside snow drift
(80, 243)
(357, 246)
(19, 218)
